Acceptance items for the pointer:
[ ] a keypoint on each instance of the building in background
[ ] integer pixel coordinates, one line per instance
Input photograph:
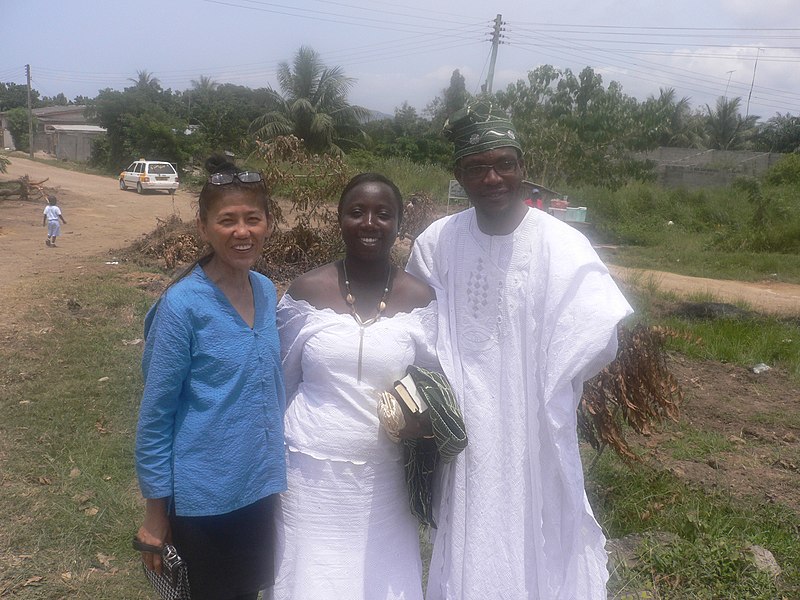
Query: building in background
(61, 131)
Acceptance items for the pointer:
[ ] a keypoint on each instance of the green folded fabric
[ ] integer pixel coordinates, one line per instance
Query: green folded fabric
(449, 439)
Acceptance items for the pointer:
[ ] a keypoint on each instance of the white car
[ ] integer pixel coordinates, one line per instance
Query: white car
(146, 175)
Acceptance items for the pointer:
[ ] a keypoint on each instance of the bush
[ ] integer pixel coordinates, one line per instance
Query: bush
(17, 119)
(785, 171)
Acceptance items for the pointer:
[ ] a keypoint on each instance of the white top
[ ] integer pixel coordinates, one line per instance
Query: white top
(524, 319)
(52, 212)
(331, 415)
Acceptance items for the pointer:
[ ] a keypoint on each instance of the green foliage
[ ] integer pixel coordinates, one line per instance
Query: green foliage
(671, 122)
(220, 116)
(408, 175)
(4, 162)
(706, 559)
(69, 499)
(786, 171)
(725, 128)
(15, 95)
(17, 119)
(452, 98)
(742, 341)
(573, 129)
(780, 133)
(707, 568)
(408, 136)
(313, 106)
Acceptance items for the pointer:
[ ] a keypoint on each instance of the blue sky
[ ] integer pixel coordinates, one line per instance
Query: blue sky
(406, 51)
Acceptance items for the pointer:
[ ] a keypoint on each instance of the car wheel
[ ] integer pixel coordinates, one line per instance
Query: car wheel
(172, 192)
(122, 185)
(139, 188)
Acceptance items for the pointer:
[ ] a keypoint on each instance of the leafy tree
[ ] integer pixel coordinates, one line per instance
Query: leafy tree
(17, 119)
(142, 120)
(725, 128)
(452, 98)
(15, 95)
(575, 129)
(313, 106)
(410, 136)
(220, 115)
(57, 100)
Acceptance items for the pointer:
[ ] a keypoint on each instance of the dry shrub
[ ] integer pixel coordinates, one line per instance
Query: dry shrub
(418, 214)
(636, 389)
(171, 243)
(312, 183)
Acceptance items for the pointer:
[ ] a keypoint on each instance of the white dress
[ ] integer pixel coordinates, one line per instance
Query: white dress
(525, 318)
(345, 531)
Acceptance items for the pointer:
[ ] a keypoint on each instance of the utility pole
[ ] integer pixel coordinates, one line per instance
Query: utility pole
(498, 21)
(752, 83)
(30, 112)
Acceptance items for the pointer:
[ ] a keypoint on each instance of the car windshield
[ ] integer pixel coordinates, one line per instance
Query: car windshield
(161, 169)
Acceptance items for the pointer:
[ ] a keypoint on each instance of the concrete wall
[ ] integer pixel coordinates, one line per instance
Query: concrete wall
(692, 168)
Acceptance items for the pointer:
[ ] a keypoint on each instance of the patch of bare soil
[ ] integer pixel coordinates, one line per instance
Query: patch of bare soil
(757, 417)
(755, 423)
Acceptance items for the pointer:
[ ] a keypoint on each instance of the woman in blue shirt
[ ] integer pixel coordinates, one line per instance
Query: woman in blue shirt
(209, 445)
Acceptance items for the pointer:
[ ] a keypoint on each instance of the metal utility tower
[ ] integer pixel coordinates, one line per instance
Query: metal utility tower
(498, 21)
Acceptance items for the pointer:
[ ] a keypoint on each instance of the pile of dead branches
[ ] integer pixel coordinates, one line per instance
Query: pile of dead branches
(636, 390)
(171, 244)
(24, 189)
(418, 214)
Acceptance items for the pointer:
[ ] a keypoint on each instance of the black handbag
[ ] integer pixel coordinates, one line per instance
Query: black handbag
(173, 582)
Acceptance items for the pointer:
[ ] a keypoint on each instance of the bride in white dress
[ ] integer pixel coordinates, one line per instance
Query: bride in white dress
(348, 330)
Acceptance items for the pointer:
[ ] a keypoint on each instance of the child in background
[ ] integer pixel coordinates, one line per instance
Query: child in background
(51, 217)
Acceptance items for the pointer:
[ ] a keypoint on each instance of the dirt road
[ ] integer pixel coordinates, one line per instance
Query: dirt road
(101, 217)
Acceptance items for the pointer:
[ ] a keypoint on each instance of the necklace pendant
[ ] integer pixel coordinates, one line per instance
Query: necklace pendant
(350, 299)
(381, 307)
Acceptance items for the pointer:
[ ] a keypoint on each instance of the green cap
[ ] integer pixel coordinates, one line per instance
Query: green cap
(479, 127)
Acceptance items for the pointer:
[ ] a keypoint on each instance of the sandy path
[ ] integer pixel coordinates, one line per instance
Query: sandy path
(101, 217)
(767, 296)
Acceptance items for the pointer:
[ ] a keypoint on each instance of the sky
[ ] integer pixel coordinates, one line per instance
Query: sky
(406, 51)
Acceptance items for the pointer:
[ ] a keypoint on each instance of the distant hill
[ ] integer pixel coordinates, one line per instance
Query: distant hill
(376, 115)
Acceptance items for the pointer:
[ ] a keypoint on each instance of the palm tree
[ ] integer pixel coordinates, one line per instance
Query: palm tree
(313, 105)
(675, 125)
(145, 80)
(204, 85)
(725, 127)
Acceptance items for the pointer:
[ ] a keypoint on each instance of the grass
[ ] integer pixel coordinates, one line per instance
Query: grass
(706, 557)
(69, 398)
(745, 340)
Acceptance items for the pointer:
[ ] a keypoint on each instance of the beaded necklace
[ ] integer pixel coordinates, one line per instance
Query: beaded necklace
(362, 325)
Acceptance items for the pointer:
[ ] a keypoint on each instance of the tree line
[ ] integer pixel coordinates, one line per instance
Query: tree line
(574, 127)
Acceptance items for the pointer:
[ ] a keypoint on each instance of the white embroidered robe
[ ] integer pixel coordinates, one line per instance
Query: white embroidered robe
(524, 320)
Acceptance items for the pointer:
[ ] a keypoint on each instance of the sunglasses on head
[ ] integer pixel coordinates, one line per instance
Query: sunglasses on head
(242, 176)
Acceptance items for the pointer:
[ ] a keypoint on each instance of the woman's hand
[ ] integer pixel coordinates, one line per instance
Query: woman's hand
(155, 531)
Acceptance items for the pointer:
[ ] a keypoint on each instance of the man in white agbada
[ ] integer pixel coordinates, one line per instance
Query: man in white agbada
(527, 313)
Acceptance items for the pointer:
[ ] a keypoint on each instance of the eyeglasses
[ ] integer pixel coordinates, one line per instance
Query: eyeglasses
(502, 167)
(243, 177)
